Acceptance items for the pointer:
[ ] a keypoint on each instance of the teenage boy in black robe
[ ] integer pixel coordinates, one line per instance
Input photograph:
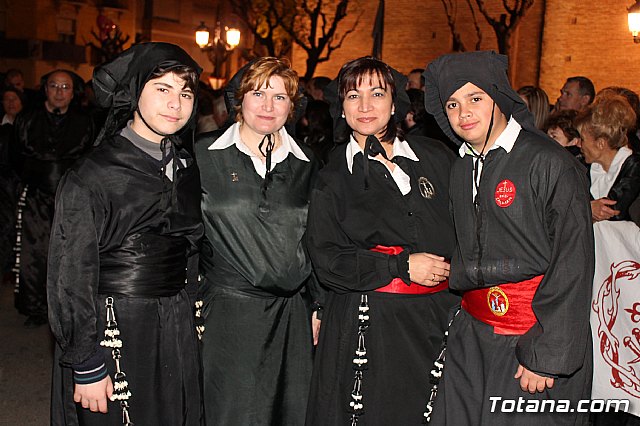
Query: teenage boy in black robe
(125, 233)
(525, 252)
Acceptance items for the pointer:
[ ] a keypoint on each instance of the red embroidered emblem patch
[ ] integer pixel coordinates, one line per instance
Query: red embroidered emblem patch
(505, 193)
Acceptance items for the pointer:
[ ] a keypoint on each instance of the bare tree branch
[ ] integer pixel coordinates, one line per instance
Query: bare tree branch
(451, 10)
(503, 27)
(311, 24)
(476, 25)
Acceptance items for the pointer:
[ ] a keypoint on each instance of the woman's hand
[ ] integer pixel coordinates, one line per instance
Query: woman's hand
(94, 395)
(601, 209)
(427, 269)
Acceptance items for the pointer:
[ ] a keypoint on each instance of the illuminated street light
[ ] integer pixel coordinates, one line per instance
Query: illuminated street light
(202, 35)
(634, 21)
(218, 49)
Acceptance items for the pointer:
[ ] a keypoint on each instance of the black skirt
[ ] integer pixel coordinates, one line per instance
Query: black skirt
(159, 357)
(257, 358)
(402, 340)
(480, 365)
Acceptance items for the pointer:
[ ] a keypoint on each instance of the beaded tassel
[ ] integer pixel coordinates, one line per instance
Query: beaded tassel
(199, 325)
(18, 247)
(436, 373)
(111, 332)
(360, 361)
(199, 321)
(120, 384)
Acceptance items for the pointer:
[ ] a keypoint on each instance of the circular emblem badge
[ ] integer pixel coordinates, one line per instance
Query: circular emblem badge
(426, 188)
(497, 301)
(505, 193)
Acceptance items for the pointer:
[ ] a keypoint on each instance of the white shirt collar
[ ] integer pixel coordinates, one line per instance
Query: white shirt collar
(6, 120)
(288, 145)
(400, 148)
(506, 140)
(601, 180)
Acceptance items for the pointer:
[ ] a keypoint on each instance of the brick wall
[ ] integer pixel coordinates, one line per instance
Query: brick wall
(591, 39)
(556, 39)
(416, 32)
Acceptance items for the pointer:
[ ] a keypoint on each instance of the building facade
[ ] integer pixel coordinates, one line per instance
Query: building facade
(556, 38)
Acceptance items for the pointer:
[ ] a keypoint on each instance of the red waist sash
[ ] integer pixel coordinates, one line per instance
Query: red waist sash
(396, 285)
(506, 307)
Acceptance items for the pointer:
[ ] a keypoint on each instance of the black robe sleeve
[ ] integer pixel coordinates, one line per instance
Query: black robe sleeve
(626, 188)
(73, 270)
(556, 344)
(340, 264)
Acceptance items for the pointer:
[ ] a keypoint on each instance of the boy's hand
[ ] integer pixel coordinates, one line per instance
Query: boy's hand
(94, 395)
(532, 382)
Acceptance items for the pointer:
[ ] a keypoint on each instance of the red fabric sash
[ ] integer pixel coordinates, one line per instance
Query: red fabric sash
(398, 286)
(506, 307)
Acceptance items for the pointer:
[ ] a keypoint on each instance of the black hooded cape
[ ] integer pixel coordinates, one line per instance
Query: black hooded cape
(119, 233)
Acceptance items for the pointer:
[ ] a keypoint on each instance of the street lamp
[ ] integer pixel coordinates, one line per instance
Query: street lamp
(217, 50)
(634, 21)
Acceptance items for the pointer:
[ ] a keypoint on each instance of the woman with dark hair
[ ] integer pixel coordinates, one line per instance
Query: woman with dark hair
(126, 228)
(615, 169)
(413, 123)
(316, 129)
(380, 238)
(561, 129)
(256, 183)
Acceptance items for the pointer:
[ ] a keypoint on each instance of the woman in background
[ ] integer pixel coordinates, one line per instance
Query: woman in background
(538, 103)
(615, 169)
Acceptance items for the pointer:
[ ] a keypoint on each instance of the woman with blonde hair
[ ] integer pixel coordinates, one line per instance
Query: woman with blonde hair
(538, 103)
(614, 170)
(256, 185)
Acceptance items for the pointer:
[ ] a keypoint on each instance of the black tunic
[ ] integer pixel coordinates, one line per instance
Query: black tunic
(405, 331)
(545, 230)
(46, 145)
(108, 206)
(8, 199)
(257, 345)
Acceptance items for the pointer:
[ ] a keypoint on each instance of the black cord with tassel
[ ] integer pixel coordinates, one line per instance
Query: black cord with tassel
(266, 146)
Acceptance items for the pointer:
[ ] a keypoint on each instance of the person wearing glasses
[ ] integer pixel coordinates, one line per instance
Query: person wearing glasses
(48, 140)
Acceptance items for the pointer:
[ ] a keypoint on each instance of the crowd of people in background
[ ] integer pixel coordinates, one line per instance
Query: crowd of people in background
(377, 254)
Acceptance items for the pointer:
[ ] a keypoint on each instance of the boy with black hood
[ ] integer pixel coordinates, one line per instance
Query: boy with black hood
(126, 228)
(524, 261)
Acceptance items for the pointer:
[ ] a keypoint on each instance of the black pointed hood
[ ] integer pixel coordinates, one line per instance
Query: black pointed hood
(487, 70)
(119, 83)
